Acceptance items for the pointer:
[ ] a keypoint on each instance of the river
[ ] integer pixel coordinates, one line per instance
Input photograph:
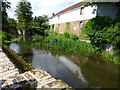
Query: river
(77, 71)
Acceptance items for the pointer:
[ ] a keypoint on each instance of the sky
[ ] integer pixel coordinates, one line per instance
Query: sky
(43, 7)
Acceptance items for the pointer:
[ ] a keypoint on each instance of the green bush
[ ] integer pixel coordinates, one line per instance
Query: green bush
(103, 30)
(5, 37)
(74, 37)
(66, 34)
(37, 38)
(60, 42)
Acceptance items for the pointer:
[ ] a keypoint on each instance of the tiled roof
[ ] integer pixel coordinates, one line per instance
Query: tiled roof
(72, 7)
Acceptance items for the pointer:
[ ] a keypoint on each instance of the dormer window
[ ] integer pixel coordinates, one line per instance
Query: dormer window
(81, 11)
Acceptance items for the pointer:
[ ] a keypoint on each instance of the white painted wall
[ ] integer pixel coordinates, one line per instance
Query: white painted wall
(74, 15)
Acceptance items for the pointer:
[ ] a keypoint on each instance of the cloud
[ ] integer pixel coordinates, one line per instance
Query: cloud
(43, 7)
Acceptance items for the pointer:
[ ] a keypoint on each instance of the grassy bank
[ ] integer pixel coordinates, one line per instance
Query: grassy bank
(70, 44)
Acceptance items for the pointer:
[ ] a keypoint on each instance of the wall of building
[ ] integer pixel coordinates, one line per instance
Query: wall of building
(74, 18)
(107, 9)
(71, 27)
(74, 15)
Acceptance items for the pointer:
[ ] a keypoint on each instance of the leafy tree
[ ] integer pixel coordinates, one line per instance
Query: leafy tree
(24, 15)
(39, 25)
(5, 6)
(12, 21)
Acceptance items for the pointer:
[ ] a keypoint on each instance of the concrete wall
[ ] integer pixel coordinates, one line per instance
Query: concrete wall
(107, 9)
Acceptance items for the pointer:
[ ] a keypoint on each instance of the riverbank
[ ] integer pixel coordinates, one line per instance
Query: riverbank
(72, 44)
(57, 63)
(11, 78)
(7, 68)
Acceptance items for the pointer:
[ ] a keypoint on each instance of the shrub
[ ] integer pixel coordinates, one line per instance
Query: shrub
(103, 30)
(37, 38)
(74, 37)
(66, 34)
(5, 37)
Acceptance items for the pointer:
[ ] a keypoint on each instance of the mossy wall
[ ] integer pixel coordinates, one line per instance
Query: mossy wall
(17, 59)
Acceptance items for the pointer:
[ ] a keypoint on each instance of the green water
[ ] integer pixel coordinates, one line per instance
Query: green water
(79, 71)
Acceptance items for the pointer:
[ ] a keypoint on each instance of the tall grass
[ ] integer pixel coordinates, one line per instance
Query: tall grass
(71, 44)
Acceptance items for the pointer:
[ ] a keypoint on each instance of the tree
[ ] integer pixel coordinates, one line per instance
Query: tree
(24, 16)
(5, 6)
(39, 25)
(12, 21)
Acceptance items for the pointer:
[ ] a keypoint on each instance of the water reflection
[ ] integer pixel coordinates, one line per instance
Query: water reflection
(92, 69)
(52, 65)
(73, 68)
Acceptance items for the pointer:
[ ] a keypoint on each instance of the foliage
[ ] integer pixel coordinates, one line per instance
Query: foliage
(67, 26)
(75, 46)
(40, 26)
(103, 33)
(24, 15)
(111, 57)
(18, 60)
(5, 37)
(5, 6)
(16, 40)
(37, 38)
(66, 34)
(52, 27)
(74, 37)
(83, 35)
(12, 21)
(61, 42)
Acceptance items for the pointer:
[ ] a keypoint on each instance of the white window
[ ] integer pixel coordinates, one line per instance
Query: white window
(81, 24)
(81, 11)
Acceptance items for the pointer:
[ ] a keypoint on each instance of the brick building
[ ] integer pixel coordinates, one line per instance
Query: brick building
(72, 18)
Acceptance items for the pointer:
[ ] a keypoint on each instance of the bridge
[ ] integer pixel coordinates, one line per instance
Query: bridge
(11, 77)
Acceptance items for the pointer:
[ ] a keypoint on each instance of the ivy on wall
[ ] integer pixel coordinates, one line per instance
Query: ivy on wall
(103, 30)
(67, 26)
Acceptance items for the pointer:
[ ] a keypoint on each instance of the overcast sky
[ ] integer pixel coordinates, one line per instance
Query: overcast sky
(43, 7)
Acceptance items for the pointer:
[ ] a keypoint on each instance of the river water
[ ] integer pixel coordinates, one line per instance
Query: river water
(77, 71)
